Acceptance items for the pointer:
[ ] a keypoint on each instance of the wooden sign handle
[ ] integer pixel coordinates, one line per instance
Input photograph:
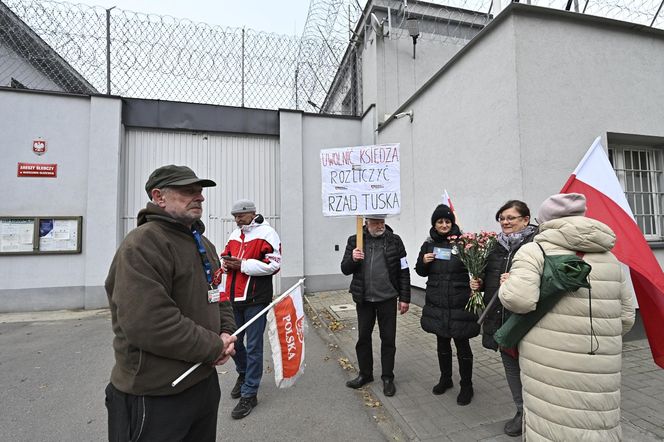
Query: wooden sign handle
(360, 230)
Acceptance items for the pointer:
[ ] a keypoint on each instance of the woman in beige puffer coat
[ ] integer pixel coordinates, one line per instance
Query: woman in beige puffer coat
(571, 359)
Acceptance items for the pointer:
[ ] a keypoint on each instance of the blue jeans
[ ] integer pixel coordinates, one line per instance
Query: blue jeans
(249, 357)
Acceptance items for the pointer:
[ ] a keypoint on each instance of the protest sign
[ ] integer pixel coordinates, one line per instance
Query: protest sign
(361, 180)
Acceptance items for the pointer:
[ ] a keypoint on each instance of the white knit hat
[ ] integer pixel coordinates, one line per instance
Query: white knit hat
(562, 205)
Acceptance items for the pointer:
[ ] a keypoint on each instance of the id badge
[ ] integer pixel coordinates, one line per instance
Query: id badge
(442, 253)
(213, 296)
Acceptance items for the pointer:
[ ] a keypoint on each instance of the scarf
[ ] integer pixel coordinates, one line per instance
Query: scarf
(437, 237)
(512, 241)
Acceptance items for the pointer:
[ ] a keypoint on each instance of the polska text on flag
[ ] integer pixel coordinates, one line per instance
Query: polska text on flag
(595, 178)
(286, 330)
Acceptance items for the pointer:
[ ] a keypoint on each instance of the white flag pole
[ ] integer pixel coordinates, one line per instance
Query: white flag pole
(241, 329)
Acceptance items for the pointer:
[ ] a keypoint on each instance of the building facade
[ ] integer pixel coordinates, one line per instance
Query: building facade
(507, 113)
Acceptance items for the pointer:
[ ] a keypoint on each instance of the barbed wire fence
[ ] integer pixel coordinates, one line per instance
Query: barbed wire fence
(93, 50)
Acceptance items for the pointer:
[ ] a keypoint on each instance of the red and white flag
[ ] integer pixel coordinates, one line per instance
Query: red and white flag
(448, 202)
(286, 329)
(595, 178)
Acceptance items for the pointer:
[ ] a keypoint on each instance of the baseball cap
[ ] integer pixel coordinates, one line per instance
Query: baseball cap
(172, 175)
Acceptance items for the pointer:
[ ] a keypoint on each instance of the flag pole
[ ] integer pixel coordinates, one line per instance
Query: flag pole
(359, 227)
(241, 329)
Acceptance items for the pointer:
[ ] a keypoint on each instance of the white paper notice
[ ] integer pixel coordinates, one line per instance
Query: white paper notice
(17, 235)
(58, 235)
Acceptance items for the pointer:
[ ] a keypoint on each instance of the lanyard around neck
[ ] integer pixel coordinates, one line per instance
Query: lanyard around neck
(207, 267)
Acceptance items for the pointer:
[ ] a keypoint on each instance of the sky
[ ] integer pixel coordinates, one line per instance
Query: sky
(281, 17)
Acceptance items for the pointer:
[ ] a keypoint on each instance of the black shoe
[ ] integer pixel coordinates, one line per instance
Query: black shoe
(236, 392)
(388, 387)
(513, 427)
(465, 395)
(244, 407)
(359, 381)
(442, 386)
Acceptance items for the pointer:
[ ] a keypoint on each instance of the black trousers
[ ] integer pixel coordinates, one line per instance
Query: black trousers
(443, 345)
(386, 313)
(187, 416)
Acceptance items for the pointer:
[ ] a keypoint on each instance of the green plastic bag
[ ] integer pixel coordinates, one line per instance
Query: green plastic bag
(561, 274)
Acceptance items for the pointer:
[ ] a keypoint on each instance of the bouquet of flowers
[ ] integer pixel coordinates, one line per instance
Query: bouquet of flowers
(473, 250)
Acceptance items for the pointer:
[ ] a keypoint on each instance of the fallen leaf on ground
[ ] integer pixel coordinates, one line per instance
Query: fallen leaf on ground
(345, 364)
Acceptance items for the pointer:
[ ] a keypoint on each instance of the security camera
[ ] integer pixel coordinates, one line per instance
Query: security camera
(405, 114)
(377, 26)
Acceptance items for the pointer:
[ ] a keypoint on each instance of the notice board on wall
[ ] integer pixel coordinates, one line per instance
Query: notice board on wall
(40, 235)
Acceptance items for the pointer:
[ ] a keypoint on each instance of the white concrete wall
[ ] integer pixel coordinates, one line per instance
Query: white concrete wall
(321, 234)
(607, 79)
(83, 136)
(463, 127)
(518, 129)
(369, 74)
(291, 189)
(400, 75)
(593, 80)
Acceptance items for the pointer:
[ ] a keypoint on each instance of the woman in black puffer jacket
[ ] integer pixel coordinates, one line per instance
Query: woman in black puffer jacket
(516, 230)
(447, 293)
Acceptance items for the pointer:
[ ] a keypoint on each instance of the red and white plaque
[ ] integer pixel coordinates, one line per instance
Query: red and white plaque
(37, 170)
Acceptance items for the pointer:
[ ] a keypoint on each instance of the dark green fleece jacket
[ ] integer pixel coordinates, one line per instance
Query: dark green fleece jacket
(163, 323)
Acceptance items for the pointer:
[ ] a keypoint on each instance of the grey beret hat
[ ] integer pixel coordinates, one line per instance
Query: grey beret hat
(243, 206)
(375, 216)
(562, 205)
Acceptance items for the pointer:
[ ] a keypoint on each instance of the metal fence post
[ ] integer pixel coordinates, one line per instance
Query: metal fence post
(656, 14)
(242, 67)
(108, 50)
(297, 72)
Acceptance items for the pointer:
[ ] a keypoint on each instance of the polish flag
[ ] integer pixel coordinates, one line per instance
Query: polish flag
(448, 202)
(286, 329)
(595, 178)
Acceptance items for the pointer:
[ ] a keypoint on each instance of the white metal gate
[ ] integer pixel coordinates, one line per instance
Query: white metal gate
(243, 166)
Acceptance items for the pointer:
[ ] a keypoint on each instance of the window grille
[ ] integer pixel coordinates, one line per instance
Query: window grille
(639, 170)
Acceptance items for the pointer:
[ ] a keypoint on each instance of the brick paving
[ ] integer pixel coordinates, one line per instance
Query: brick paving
(422, 416)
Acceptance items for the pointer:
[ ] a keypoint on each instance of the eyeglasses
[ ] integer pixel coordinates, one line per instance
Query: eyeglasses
(509, 219)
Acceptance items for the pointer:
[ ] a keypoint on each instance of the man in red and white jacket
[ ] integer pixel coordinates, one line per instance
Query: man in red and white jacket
(250, 258)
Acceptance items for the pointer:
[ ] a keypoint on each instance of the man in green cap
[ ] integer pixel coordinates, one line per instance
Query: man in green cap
(166, 316)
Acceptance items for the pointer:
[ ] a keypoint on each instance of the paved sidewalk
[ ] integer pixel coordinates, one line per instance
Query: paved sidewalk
(423, 416)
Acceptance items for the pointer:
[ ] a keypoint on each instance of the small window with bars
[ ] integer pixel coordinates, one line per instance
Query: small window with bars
(639, 171)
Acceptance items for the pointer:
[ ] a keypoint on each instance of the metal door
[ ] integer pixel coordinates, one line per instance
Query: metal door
(243, 166)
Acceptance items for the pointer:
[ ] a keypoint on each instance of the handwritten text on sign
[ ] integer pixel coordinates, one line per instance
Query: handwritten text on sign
(361, 180)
